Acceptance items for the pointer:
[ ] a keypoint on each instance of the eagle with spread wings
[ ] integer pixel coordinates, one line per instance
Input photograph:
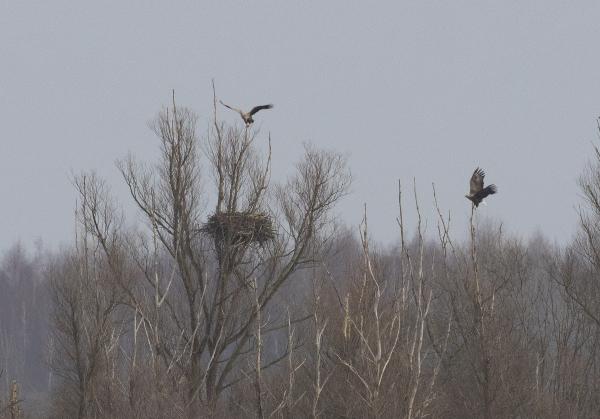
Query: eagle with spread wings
(477, 192)
(247, 116)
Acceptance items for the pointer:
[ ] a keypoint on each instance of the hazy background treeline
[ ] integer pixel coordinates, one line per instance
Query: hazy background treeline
(232, 294)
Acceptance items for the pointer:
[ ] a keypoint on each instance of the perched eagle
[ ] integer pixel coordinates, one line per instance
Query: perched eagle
(247, 116)
(478, 192)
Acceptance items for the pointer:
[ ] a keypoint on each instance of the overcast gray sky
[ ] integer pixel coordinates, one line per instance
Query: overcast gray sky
(406, 88)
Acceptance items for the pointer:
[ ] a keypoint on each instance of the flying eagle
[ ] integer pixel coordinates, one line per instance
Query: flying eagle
(247, 116)
(478, 192)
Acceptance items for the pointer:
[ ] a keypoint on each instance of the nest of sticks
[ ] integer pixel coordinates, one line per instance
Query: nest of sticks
(239, 228)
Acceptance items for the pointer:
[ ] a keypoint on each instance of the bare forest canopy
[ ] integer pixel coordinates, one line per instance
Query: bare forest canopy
(232, 294)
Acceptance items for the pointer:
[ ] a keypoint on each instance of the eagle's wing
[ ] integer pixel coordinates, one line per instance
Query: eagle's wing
(488, 190)
(259, 108)
(230, 107)
(477, 181)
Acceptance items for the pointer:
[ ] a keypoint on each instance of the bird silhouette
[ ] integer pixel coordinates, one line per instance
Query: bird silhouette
(477, 192)
(247, 116)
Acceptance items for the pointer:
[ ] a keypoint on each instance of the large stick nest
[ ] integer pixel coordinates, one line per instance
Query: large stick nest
(240, 227)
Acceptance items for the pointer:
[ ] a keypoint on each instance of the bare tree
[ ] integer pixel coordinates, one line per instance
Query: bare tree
(383, 347)
(85, 300)
(196, 304)
(576, 269)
